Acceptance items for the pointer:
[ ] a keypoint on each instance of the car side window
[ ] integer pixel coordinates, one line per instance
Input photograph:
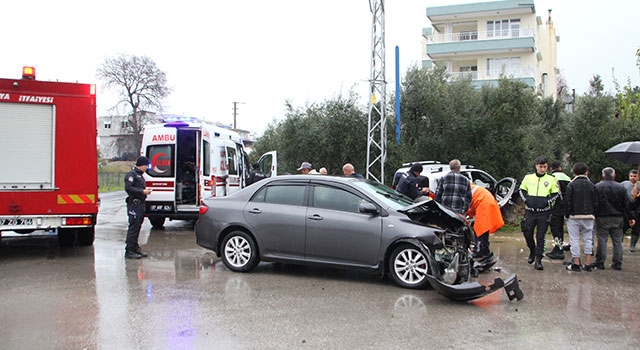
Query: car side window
(481, 179)
(335, 199)
(281, 194)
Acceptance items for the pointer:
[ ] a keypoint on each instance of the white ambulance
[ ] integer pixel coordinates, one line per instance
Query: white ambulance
(190, 160)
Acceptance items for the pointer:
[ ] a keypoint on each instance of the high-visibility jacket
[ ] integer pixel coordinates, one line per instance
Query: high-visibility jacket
(485, 209)
(539, 192)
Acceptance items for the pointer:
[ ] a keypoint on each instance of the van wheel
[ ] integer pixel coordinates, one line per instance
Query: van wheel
(157, 221)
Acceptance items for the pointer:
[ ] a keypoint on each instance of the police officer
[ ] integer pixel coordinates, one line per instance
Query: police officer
(255, 174)
(134, 185)
(539, 191)
(408, 184)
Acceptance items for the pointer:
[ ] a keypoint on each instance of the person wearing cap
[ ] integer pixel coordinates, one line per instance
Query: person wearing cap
(255, 174)
(307, 168)
(408, 183)
(137, 192)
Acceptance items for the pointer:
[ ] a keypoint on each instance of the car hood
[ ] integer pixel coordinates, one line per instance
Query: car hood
(434, 213)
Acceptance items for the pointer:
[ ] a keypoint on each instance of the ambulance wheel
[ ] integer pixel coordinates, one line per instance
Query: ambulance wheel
(157, 221)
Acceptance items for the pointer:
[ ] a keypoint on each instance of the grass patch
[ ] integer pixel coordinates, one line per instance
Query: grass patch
(111, 175)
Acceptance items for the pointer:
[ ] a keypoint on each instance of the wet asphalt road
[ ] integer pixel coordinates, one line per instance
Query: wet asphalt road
(182, 297)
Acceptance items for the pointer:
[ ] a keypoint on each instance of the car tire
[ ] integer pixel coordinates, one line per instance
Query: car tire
(239, 252)
(409, 267)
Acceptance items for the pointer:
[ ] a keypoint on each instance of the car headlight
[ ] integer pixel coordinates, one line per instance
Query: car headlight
(451, 272)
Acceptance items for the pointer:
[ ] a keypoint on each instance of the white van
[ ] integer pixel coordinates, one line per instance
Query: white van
(190, 160)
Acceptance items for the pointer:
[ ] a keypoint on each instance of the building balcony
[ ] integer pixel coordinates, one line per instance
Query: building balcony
(477, 42)
(490, 77)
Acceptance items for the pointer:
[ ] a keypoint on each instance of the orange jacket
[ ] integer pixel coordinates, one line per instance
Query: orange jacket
(485, 209)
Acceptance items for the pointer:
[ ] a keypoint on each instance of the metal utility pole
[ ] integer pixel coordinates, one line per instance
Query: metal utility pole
(377, 135)
(235, 113)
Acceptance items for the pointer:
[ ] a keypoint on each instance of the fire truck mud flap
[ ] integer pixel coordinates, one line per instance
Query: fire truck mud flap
(474, 290)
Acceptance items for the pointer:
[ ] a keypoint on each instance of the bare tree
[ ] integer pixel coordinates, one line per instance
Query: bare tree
(141, 86)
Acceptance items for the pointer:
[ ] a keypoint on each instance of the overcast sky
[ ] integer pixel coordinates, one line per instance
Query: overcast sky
(263, 53)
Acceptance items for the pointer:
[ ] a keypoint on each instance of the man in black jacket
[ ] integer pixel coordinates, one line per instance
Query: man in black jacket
(611, 212)
(134, 185)
(255, 174)
(580, 205)
(408, 184)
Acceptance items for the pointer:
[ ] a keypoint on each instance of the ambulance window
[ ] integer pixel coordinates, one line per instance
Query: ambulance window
(231, 158)
(161, 158)
(206, 158)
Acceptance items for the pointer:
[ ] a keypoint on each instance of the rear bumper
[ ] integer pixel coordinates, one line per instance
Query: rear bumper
(475, 290)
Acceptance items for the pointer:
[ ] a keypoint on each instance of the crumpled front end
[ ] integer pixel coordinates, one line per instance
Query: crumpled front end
(474, 290)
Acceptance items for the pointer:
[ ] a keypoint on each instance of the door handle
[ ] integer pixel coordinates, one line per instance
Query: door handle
(315, 217)
(255, 211)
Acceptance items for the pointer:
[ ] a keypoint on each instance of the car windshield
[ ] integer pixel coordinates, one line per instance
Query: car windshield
(392, 198)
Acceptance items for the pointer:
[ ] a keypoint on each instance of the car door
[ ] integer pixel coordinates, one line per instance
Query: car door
(505, 189)
(269, 163)
(337, 232)
(276, 215)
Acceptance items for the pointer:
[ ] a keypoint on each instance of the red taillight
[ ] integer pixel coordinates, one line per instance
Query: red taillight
(203, 209)
(77, 221)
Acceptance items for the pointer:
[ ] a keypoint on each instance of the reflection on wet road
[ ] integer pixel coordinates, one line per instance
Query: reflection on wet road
(182, 297)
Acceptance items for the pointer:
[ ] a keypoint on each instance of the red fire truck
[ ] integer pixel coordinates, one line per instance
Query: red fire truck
(48, 157)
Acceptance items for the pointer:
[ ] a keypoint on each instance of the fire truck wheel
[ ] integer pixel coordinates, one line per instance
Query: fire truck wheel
(86, 236)
(66, 237)
(69, 237)
(157, 221)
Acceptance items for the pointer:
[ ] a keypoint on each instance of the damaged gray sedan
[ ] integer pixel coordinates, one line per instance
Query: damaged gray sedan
(344, 222)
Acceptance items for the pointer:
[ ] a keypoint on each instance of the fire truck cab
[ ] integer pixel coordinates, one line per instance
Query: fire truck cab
(190, 160)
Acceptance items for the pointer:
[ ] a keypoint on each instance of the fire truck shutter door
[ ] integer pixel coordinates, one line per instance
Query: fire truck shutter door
(26, 146)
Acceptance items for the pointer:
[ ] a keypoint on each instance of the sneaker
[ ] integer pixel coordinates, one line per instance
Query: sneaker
(632, 248)
(574, 267)
(587, 268)
(132, 255)
(599, 266)
(616, 266)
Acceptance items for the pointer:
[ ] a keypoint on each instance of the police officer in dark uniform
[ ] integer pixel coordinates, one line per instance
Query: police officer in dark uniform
(134, 185)
(408, 184)
(255, 175)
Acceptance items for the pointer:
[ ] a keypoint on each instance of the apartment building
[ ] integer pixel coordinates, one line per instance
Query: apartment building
(486, 40)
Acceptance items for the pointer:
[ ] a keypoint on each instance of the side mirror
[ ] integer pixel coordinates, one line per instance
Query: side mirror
(368, 208)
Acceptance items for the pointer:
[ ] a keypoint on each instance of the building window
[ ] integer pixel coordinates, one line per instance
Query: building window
(124, 124)
(107, 125)
(469, 71)
(509, 66)
(505, 28)
(468, 35)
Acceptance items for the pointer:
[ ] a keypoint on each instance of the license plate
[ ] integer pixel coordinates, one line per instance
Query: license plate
(16, 222)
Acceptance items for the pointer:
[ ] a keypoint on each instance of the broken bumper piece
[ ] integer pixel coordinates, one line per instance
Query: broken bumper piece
(475, 290)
